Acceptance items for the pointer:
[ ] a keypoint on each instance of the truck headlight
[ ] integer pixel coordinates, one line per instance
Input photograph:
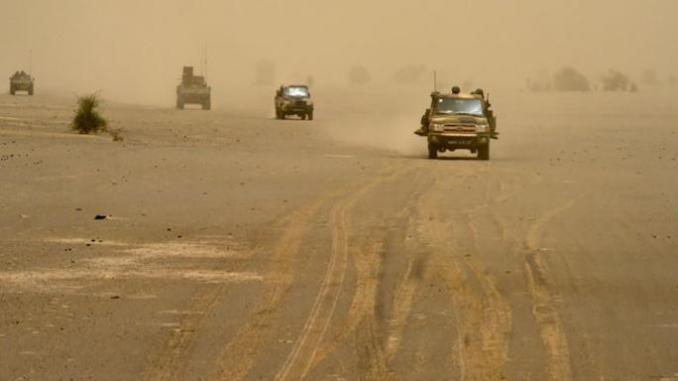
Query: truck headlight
(481, 128)
(435, 127)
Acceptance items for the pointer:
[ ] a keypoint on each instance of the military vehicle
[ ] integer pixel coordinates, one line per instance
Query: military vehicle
(459, 121)
(21, 81)
(193, 90)
(293, 100)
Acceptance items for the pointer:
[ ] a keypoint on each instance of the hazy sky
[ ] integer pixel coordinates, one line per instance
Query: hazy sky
(135, 49)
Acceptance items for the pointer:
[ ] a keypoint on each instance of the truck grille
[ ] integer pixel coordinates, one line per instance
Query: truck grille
(460, 128)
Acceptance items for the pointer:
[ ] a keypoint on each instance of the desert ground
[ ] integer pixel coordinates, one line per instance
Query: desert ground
(240, 247)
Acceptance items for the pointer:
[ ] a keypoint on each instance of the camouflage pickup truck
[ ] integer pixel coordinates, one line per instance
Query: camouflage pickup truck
(459, 121)
(293, 100)
(193, 90)
(21, 81)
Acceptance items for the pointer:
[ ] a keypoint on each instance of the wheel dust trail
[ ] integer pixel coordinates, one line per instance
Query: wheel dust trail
(483, 314)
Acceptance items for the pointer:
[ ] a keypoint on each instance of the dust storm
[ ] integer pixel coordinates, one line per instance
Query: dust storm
(270, 213)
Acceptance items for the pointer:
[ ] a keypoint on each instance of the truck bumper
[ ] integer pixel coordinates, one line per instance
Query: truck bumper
(294, 109)
(194, 98)
(458, 141)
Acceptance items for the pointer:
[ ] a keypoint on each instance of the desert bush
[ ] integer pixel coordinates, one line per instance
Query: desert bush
(359, 75)
(617, 81)
(87, 119)
(569, 79)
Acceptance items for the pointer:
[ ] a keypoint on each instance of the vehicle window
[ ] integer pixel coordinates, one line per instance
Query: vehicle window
(296, 92)
(459, 106)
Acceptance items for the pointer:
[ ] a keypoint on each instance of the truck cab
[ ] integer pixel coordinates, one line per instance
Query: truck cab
(193, 89)
(21, 81)
(460, 121)
(293, 100)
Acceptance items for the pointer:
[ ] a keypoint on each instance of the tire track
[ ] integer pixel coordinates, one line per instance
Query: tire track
(545, 299)
(366, 323)
(484, 316)
(238, 356)
(308, 349)
(172, 362)
(303, 354)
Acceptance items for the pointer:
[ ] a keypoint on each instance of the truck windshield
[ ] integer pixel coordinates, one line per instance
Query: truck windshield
(301, 92)
(459, 106)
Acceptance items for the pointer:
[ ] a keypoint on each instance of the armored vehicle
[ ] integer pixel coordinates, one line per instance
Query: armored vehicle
(193, 90)
(21, 81)
(459, 121)
(293, 100)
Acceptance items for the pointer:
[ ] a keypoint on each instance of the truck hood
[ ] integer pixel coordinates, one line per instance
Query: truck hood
(458, 119)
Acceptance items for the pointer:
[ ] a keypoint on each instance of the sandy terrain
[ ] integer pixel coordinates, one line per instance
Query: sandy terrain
(239, 247)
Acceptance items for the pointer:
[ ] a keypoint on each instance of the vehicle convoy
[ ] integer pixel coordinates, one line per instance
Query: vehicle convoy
(293, 100)
(21, 81)
(459, 121)
(193, 90)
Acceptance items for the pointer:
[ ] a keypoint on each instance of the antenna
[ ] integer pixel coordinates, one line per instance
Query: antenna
(435, 80)
(204, 61)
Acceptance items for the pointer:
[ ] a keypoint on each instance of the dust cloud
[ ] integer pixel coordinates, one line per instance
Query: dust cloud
(373, 58)
(236, 246)
(133, 51)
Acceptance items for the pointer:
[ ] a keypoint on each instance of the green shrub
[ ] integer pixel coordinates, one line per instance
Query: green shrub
(87, 119)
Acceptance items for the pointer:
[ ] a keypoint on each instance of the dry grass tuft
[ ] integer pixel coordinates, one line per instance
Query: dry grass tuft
(87, 119)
